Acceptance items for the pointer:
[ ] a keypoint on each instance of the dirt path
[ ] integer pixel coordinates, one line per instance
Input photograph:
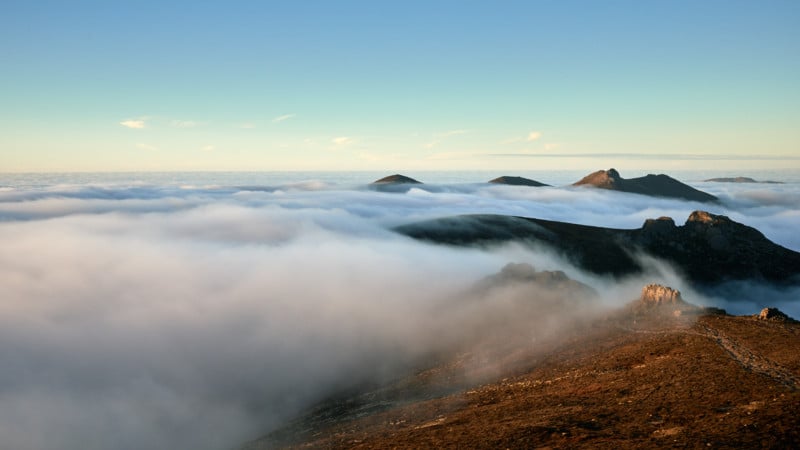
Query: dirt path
(749, 360)
(741, 354)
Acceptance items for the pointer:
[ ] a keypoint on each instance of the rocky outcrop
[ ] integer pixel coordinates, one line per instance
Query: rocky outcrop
(774, 314)
(708, 249)
(654, 295)
(657, 299)
(516, 181)
(662, 300)
(652, 185)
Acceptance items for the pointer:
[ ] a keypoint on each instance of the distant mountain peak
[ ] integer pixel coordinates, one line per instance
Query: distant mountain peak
(516, 181)
(660, 185)
(396, 179)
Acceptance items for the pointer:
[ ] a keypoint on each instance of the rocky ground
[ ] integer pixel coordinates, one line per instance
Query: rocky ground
(659, 373)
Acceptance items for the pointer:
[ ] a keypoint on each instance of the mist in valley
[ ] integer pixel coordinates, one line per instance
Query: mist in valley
(166, 316)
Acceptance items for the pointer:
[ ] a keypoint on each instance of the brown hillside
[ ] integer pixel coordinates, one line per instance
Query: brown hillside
(688, 379)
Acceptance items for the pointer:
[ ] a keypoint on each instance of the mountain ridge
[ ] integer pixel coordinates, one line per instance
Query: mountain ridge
(708, 249)
(660, 185)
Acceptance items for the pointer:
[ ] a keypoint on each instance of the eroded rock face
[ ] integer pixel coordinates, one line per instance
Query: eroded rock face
(656, 294)
(659, 300)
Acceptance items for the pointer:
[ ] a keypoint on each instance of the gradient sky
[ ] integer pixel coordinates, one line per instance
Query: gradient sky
(310, 85)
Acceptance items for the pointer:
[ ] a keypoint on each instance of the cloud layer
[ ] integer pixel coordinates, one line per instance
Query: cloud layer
(176, 316)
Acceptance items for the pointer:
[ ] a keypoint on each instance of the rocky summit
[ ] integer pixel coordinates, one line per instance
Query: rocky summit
(774, 314)
(653, 185)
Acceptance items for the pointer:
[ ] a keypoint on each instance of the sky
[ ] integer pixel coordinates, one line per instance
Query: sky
(360, 85)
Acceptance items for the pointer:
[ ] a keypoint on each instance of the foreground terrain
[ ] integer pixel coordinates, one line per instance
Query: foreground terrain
(665, 376)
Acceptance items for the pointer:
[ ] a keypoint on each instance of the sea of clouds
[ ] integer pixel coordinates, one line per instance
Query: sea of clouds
(165, 315)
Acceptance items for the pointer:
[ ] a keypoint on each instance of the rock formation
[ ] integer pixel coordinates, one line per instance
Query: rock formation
(517, 181)
(657, 299)
(775, 315)
(652, 185)
(655, 295)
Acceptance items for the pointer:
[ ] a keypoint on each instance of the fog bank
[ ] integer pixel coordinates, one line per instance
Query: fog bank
(168, 317)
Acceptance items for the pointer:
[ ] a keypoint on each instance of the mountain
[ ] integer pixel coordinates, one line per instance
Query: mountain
(652, 185)
(396, 179)
(740, 180)
(517, 181)
(656, 373)
(708, 249)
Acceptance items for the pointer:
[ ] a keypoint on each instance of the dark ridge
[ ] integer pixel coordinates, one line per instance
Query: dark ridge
(517, 181)
(396, 179)
(709, 249)
(740, 180)
(652, 185)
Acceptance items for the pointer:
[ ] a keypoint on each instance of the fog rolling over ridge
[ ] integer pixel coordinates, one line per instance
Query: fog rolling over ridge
(160, 315)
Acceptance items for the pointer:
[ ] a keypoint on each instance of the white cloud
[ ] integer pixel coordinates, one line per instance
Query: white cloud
(209, 148)
(231, 275)
(342, 141)
(283, 117)
(534, 135)
(147, 147)
(131, 123)
(247, 125)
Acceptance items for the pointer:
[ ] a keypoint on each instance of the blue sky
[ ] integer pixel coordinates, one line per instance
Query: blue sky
(311, 85)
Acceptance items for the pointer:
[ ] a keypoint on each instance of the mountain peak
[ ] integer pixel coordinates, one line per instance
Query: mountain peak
(705, 217)
(653, 185)
(396, 179)
(516, 181)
